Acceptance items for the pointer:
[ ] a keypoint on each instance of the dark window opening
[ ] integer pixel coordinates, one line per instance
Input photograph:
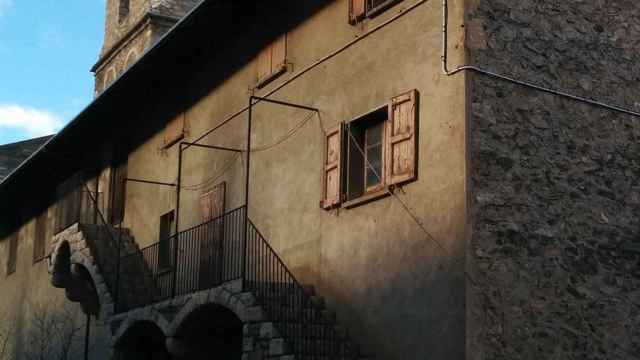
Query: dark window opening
(123, 10)
(365, 154)
(118, 188)
(167, 225)
(40, 240)
(13, 254)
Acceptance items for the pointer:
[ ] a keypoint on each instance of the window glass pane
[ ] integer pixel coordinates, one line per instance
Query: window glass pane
(374, 166)
(374, 134)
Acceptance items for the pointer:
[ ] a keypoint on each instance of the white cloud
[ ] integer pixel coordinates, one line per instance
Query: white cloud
(4, 5)
(33, 122)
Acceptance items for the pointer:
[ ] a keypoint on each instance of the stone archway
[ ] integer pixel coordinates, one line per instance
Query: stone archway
(143, 340)
(209, 331)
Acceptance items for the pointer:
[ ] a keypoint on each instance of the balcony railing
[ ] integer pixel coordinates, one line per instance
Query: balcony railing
(223, 250)
(207, 255)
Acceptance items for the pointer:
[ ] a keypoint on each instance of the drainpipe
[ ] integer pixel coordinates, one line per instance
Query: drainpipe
(445, 70)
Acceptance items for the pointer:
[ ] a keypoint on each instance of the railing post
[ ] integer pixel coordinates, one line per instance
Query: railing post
(177, 220)
(116, 297)
(246, 195)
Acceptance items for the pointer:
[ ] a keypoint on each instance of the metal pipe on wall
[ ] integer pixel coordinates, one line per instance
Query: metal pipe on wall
(445, 70)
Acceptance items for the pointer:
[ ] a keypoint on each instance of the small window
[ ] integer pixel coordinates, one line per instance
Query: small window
(123, 10)
(365, 156)
(167, 227)
(272, 61)
(12, 256)
(40, 240)
(361, 9)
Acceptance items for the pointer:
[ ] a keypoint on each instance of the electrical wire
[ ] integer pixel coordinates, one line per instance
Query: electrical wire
(227, 166)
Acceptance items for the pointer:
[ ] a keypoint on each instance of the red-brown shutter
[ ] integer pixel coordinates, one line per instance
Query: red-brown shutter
(212, 203)
(278, 54)
(264, 64)
(205, 206)
(357, 10)
(331, 172)
(400, 139)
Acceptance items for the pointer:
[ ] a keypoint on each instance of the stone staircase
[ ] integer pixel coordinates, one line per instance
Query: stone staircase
(103, 240)
(300, 330)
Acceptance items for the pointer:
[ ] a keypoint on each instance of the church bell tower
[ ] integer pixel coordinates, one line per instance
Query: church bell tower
(131, 27)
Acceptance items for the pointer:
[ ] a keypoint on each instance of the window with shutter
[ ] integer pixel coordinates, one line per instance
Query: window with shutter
(380, 149)
(332, 168)
(401, 142)
(361, 9)
(357, 10)
(40, 240)
(167, 225)
(12, 256)
(212, 203)
(211, 247)
(272, 61)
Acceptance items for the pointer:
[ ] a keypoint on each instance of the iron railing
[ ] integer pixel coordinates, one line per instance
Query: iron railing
(298, 315)
(207, 255)
(219, 251)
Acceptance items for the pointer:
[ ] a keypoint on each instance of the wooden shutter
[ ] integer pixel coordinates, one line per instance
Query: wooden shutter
(273, 59)
(13, 253)
(174, 131)
(357, 9)
(279, 54)
(400, 139)
(40, 240)
(212, 203)
(332, 169)
(264, 64)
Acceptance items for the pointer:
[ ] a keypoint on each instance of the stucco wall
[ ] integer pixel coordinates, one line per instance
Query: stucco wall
(397, 293)
(394, 289)
(556, 203)
(37, 317)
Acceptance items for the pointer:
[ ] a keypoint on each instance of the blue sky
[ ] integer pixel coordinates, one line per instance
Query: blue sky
(47, 48)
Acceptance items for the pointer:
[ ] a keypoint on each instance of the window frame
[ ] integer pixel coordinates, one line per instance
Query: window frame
(379, 190)
(280, 69)
(165, 265)
(399, 158)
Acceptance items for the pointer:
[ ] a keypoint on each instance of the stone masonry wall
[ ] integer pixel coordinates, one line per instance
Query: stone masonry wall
(555, 183)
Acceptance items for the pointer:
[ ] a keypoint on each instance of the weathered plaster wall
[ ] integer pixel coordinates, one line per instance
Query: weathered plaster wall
(555, 183)
(37, 316)
(397, 293)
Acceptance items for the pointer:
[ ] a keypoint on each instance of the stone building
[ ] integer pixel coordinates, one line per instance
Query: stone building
(337, 179)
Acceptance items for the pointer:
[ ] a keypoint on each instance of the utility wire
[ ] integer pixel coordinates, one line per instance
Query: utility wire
(408, 209)
(227, 166)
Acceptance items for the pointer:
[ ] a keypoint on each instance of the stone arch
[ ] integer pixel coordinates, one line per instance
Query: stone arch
(81, 254)
(209, 326)
(148, 315)
(109, 76)
(224, 296)
(140, 341)
(132, 57)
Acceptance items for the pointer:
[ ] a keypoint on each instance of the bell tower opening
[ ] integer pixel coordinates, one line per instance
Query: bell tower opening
(123, 10)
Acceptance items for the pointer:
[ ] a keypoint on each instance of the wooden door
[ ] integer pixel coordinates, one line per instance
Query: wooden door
(212, 236)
